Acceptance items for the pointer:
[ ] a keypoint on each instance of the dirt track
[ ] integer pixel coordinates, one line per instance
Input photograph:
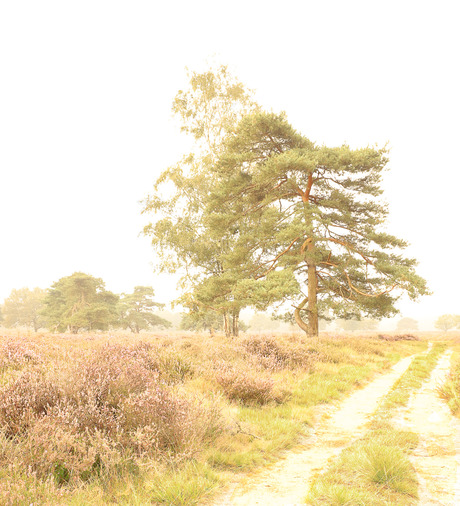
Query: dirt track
(286, 482)
(437, 458)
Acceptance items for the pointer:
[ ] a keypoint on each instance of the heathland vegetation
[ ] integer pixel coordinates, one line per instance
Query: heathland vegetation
(112, 419)
(257, 216)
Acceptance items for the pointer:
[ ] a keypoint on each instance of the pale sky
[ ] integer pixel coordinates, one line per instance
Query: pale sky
(86, 125)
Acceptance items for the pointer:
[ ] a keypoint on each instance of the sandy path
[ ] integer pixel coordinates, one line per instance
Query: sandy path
(437, 458)
(286, 482)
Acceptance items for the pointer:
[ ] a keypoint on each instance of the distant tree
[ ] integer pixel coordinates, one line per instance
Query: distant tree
(353, 325)
(78, 302)
(23, 308)
(446, 322)
(261, 321)
(407, 324)
(137, 310)
(1, 315)
(201, 320)
(174, 318)
(322, 324)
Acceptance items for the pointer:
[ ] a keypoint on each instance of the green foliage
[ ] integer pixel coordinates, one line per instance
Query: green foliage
(23, 308)
(80, 301)
(201, 320)
(447, 321)
(311, 216)
(259, 215)
(136, 310)
(183, 236)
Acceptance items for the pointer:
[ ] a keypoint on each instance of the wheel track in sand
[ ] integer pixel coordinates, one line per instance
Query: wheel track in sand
(437, 457)
(285, 483)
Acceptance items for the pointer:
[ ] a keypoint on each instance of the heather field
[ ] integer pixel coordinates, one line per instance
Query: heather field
(164, 418)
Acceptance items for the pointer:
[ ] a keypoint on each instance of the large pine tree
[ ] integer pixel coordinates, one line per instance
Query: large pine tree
(320, 224)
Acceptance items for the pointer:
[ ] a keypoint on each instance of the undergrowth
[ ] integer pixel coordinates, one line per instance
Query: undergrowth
(99, 419)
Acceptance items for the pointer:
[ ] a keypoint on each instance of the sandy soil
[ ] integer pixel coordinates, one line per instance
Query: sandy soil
(437, 458)
(286, 482)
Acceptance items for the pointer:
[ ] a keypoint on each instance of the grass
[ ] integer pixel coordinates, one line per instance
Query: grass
(377, 465)
(163, 419)
(449, 391)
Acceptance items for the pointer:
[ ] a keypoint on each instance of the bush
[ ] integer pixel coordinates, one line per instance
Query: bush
(158, 421)
(243, 386)
(273, 355)
(29, 397)
(399, 337)
(18, 352)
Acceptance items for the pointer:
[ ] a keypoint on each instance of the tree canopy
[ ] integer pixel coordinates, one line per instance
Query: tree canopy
(320, 235)
(407, 324)
(80, 301)
(136, 310)
(447, 321)
(209, 109)
(264, 217)
(23, 308)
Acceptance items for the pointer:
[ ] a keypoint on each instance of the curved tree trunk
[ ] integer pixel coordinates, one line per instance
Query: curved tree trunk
(298, 318)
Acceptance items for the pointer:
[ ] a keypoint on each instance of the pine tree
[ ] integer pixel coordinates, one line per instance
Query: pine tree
(320, 221)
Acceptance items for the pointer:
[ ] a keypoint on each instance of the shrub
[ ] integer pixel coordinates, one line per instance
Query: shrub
(18, 352)
(243, 386)
(398, 337)
(159, 421)
(29, 397)
(274, 356)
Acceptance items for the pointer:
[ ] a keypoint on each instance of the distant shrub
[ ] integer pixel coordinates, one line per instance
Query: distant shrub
(241, 385)
(398, 337)
(274, 356)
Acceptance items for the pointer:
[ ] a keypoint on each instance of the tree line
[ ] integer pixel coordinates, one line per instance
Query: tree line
(81, 302)
(260, 216)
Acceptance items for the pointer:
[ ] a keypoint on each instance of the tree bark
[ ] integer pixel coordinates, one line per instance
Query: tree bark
(235, 326)
(298, 318)
(311, 327)
(227, 324)
(312, 301)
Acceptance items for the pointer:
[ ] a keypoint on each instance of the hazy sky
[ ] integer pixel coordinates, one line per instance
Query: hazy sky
(86, 126)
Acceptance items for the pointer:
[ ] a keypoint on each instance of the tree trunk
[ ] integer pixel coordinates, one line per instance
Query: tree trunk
(227, 324)
(235, 320)
(311, 327)
(312, 301)
(298, 318)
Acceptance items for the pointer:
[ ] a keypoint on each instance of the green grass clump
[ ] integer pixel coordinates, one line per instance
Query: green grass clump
(377, 465)
(450, 389)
